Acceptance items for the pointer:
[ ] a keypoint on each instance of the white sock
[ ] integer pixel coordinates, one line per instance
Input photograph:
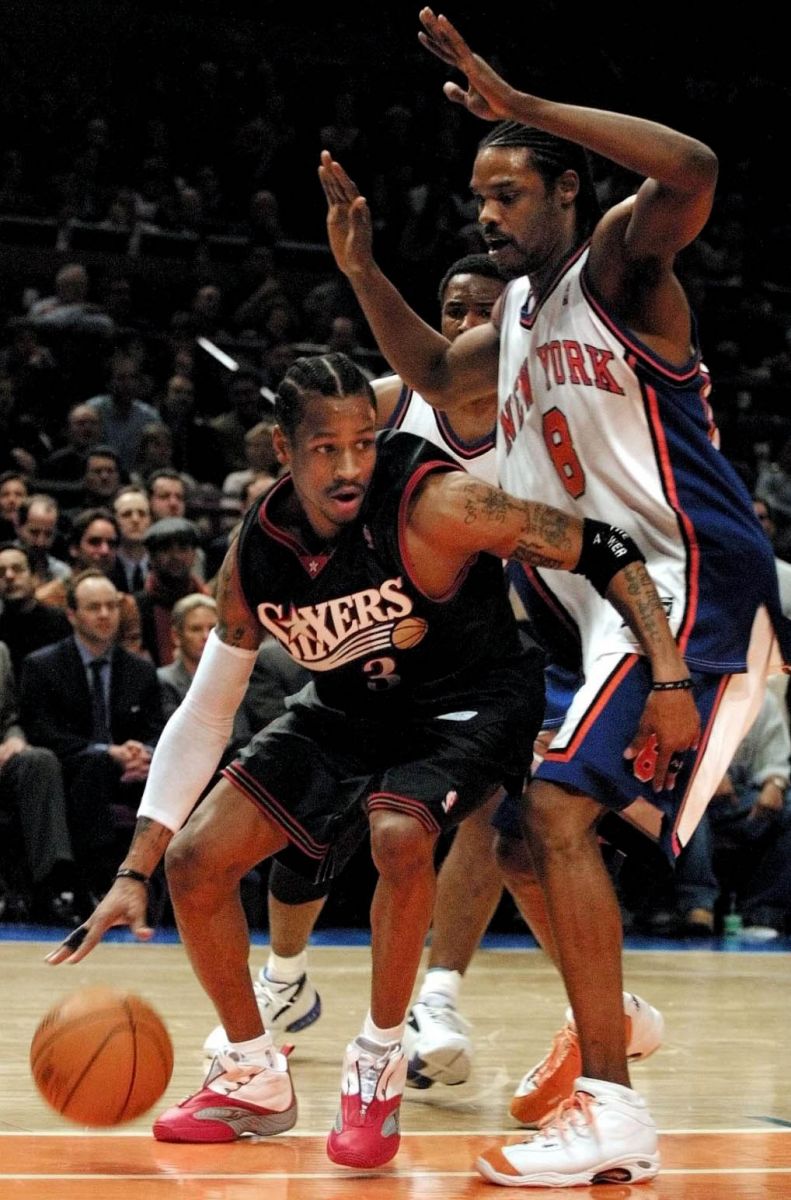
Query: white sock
(442, 984)
(286, 970)
(384, 1037)
(256, 1049)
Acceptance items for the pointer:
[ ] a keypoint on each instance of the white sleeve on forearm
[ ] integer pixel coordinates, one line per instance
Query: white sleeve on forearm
(194, 738)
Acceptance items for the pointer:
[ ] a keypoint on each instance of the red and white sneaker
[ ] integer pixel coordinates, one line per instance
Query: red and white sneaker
(603, 1134)
(551, 1081)
(238, 1096)
(366, 1131)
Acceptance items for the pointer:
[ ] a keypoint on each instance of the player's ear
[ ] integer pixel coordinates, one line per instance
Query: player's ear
(280, 445)
(567, 186)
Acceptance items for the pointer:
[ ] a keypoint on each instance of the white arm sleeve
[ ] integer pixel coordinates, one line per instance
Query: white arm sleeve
(194, 738)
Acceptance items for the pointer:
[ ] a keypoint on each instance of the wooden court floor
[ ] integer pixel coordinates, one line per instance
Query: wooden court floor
(720, 1088)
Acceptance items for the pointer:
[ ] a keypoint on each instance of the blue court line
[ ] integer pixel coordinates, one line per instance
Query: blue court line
(14, 932)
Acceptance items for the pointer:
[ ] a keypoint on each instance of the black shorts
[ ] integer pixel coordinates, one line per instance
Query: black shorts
(318, 773)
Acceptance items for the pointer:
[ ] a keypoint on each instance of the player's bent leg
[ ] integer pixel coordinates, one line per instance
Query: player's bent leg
(248, 1088)
(366, 1133)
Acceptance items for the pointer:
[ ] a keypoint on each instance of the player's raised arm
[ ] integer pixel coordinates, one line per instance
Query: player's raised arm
(444, 374)
(635, 243)
(184, 761)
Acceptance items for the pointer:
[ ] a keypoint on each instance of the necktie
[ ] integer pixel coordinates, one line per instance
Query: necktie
(138, 578)
(101, 722)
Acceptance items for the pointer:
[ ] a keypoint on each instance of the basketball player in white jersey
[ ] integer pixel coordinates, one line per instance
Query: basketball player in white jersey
(469, 884)
(602, 402)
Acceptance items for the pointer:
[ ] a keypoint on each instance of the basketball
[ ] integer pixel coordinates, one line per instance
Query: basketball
(101, 1057)
(408, 632)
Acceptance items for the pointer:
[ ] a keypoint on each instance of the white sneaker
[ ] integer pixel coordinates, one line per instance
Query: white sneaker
(437, 1045)
(239, 1095)
(603, 1134)
(552, 1079)
(284, 1008)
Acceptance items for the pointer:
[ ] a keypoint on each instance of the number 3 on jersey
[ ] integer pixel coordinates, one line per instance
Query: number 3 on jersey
(557, 437)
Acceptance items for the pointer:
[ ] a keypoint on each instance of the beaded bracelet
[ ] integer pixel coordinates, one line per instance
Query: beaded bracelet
(673, 685)
(129, 873)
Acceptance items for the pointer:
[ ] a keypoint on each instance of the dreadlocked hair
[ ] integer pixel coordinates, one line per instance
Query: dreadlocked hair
(320, 374)
(551, 156)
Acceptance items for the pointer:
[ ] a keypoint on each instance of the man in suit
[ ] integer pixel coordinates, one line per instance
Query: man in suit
(93, 543)
(98, 708)
(37, 856)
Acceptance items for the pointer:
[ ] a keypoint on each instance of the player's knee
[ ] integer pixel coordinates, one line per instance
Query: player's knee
(400, 845)
(190, 864)
(513, 858)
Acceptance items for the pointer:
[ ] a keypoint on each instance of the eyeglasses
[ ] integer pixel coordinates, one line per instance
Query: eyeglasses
(102, 541)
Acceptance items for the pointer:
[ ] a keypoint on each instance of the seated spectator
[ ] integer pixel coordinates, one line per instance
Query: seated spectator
(14, 491)
(37, 528)
(25, 624)
(156, 453)
(247, 409)
(167, 494)
(171, 544)
(93, 543)
(122, 414)
(194, 442)
(261, 459)
(32, 796)
(83, 431)
(133, 514)
(98, 708)
(101, 479)
(192, 619)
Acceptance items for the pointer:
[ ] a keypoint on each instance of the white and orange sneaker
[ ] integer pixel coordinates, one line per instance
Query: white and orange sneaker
(367, 1132)
(238, 1096)
(603, 1133)
(551, 1080)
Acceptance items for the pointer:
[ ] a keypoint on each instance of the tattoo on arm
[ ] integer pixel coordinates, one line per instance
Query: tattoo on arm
(542, 534)
(231, 629)
(645, 604)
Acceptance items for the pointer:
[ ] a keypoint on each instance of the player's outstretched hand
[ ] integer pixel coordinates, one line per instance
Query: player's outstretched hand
(488, 96)
(125, 904)
(349, 228)
(669, 727)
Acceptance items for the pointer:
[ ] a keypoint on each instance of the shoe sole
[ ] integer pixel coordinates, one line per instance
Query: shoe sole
(450, 1067)
(624, 1169)
(342, 1156)
(237, 1126)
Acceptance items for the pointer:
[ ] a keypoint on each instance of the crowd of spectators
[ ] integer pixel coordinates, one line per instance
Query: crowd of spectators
(163, 262)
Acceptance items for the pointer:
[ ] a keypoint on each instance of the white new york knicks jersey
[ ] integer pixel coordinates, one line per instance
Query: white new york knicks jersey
(413, 414)
(592, 421)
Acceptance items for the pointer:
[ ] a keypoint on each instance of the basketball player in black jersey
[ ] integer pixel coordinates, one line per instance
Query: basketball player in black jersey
(376, 561)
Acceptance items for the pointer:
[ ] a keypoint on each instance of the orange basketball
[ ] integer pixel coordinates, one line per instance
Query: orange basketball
(408, 632)
(101, 1057)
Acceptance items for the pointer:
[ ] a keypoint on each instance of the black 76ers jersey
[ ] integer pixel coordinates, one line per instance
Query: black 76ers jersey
(354, 616)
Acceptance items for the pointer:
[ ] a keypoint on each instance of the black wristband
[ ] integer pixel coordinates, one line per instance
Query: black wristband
(673, 685)
(129, 873)
(605, 551)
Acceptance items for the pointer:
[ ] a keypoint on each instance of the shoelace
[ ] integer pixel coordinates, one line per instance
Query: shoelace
(573, 1111)
(562, 1042)
(448, 1016)
(275, 999)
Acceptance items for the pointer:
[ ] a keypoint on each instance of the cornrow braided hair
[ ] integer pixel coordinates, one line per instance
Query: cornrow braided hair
(323, 374)
(551, 156)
